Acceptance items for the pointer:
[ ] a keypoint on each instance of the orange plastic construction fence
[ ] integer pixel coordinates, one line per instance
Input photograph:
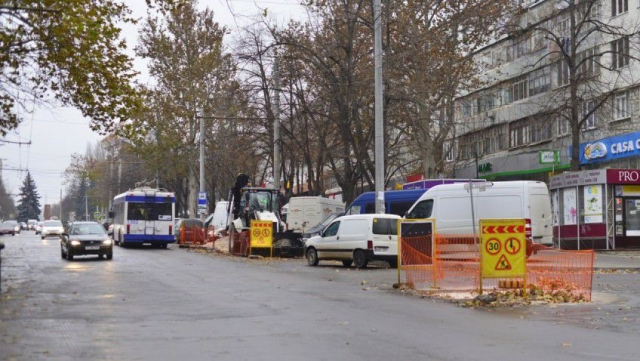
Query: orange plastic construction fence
(192, 235)
(417, 261)
(452, 264)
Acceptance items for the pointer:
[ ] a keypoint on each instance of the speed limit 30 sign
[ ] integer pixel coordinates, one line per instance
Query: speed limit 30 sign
(503, 248)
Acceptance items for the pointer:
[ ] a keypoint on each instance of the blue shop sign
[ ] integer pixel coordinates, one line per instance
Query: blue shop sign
(603, 150)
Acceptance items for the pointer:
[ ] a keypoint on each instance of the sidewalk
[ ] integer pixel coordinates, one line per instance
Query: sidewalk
(617, 259)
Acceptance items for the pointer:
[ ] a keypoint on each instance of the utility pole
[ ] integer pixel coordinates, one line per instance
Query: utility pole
(379, 126)
(60, 204)
(157, 133)
(202, 212)
(119, 174)
(276, 125)
(86, 208)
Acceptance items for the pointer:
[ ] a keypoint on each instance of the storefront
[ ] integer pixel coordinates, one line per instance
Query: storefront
(596, 209)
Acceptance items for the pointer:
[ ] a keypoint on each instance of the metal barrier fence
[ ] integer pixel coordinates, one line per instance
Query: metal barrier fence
(456, 266)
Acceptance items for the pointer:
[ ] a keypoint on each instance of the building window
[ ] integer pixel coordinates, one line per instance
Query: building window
(538, 41)
(540, 130)
(466, 109)
(520, 133)
(519, 89)
(539, 81)
(449, 150)
(563, 27)
(529, 130)
(621, 106)
(485, 102)
(620, 53)
(483, 142)
(588, 62)
(564, 127)
(519, 48)
(590, 122)
(619, 7)
(587, 12)
(563, 73)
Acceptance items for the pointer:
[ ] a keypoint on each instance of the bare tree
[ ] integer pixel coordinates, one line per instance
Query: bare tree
(589, 54)
(189, 65)
(430, 63)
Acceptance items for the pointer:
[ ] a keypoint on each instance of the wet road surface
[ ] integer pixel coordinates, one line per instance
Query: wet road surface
(150, 304)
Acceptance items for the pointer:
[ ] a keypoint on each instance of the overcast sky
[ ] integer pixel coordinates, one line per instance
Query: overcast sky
(58, 132)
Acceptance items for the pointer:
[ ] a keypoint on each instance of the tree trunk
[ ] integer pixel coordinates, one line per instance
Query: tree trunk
(429, 161)
(575, 147)
(348, 192)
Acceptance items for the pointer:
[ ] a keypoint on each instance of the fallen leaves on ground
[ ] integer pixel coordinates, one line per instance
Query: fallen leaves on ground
(617, 271)
(518, 297)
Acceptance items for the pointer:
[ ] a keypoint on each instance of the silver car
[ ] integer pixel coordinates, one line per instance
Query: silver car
(16, 226)
(51, 228)
(7, 228)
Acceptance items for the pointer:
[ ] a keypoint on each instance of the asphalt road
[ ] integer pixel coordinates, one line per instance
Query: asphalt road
(150, 304)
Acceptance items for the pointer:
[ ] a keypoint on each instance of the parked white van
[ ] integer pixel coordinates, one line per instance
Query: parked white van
(450, 206)
(306, 212)
(356, 239)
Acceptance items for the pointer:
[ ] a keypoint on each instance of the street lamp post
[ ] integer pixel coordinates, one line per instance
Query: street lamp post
(379, 126)
(203, 211)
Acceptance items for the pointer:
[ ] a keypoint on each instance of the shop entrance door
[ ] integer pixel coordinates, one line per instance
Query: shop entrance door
(631, 223)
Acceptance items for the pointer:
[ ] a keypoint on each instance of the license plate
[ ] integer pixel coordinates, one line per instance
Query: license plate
(92, 248)
(381, 249)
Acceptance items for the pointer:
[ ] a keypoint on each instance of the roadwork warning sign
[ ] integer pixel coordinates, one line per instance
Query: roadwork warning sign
(261, 234)
(503, 248)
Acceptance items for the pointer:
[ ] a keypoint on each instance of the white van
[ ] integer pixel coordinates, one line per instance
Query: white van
(450, 206)
(306, 212)
(356, 239)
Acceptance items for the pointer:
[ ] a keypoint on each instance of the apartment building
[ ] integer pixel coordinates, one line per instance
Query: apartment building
(520, 108)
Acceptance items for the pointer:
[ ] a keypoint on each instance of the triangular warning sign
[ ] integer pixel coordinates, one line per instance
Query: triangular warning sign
(503, 264)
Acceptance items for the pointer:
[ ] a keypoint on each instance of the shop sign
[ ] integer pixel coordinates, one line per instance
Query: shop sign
(485, 167)
(623, 176)
(619, 146)
(627, 191)
(574, 179)
(548, 157)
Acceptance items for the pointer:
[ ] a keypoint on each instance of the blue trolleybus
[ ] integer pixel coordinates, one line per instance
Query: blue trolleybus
(144, 216)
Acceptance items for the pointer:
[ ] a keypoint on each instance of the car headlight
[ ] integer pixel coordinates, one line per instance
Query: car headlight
(75, 243)
(107, 242)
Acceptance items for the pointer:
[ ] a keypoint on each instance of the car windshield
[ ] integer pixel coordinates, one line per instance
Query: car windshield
(53, 224)
(11, 222)
(261, 201)
(328, 220)
(82, 229)
(150, 211)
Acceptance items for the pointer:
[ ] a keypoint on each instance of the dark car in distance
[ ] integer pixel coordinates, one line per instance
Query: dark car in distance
(85, 238)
